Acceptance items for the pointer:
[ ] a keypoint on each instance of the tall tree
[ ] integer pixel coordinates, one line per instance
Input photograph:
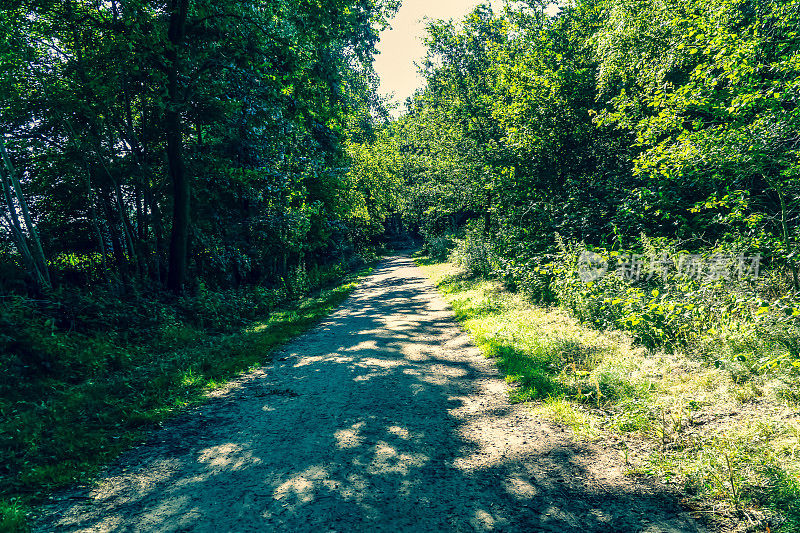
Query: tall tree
(173, 129)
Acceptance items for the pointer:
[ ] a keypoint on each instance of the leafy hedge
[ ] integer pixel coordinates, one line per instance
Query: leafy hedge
(749, 325)
(83, 373)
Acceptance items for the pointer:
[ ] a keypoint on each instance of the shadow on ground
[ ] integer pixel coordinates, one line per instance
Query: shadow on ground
(384, 417)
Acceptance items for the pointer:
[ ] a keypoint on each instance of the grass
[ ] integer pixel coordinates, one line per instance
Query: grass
(13, 516)
(62, 433)
(731, 443)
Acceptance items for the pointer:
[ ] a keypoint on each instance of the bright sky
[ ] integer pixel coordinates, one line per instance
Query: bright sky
(401, 45)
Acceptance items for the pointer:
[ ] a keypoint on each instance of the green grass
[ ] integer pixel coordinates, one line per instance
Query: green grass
(732, 444)
(56, 433)
(13, 516)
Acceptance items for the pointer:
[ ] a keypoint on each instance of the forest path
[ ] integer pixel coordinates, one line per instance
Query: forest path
(383, 418)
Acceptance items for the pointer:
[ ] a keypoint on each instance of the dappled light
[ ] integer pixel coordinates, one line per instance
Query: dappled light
(605, 195)
(382, 416)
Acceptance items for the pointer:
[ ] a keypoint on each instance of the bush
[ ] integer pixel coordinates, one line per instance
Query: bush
(476, 253)
(75, 390)
(438, 247)
(725, 320)
(530, 276)
(297, 282)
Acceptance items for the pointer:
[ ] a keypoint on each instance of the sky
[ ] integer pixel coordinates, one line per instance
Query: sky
(401, 45)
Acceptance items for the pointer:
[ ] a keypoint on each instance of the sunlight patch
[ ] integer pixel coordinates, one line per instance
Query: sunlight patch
(403, 433)
(230, 456)
(302, 487)
(388, 461)
(350, 438)
(520, 487)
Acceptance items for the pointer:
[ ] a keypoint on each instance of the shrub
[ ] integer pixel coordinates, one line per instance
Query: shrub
(476, 253)
(297, 282)
(438, 247)
(531, 277)
(725, 320)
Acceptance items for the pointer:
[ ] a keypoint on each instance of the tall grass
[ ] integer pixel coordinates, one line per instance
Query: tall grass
(74, 398)
(726, 433)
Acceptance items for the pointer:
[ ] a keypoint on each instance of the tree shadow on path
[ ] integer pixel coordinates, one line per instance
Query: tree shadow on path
(384, 417)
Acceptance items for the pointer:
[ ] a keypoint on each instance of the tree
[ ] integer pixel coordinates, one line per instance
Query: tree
(233, 117)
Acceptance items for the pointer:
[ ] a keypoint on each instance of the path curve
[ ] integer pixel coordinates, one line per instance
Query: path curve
(383, 418)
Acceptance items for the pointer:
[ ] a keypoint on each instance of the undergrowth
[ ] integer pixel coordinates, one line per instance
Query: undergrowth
(77, 389)
(674, 413)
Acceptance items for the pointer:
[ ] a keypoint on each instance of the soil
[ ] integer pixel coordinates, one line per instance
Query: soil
(383, 418)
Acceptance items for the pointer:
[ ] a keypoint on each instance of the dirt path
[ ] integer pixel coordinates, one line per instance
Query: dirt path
(382, 418)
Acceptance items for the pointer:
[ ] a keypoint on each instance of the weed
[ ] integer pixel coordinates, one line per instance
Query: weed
(720, 429)
(58, 428)
(13, 516)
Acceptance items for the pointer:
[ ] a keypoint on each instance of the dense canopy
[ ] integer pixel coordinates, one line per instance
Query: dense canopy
(184, 141)
(176, 172)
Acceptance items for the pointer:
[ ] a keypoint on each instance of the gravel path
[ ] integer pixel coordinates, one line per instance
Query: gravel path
(382, 418)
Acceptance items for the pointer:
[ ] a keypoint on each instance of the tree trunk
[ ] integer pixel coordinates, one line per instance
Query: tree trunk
(127, 228)
(22, 247)
(117, 246)
(787, 242)
(42, 274)
(91, 200)
(155, 221)
(141, 229)
(181, 187)
(16, 228)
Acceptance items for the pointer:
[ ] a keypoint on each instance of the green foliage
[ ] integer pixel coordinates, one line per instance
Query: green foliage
(438, 247)
(600, 125)
(75, 394)
(729, 321)
(266, 104)
(705, 92)
(675, 415)
(13, 516)
(476, 253)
